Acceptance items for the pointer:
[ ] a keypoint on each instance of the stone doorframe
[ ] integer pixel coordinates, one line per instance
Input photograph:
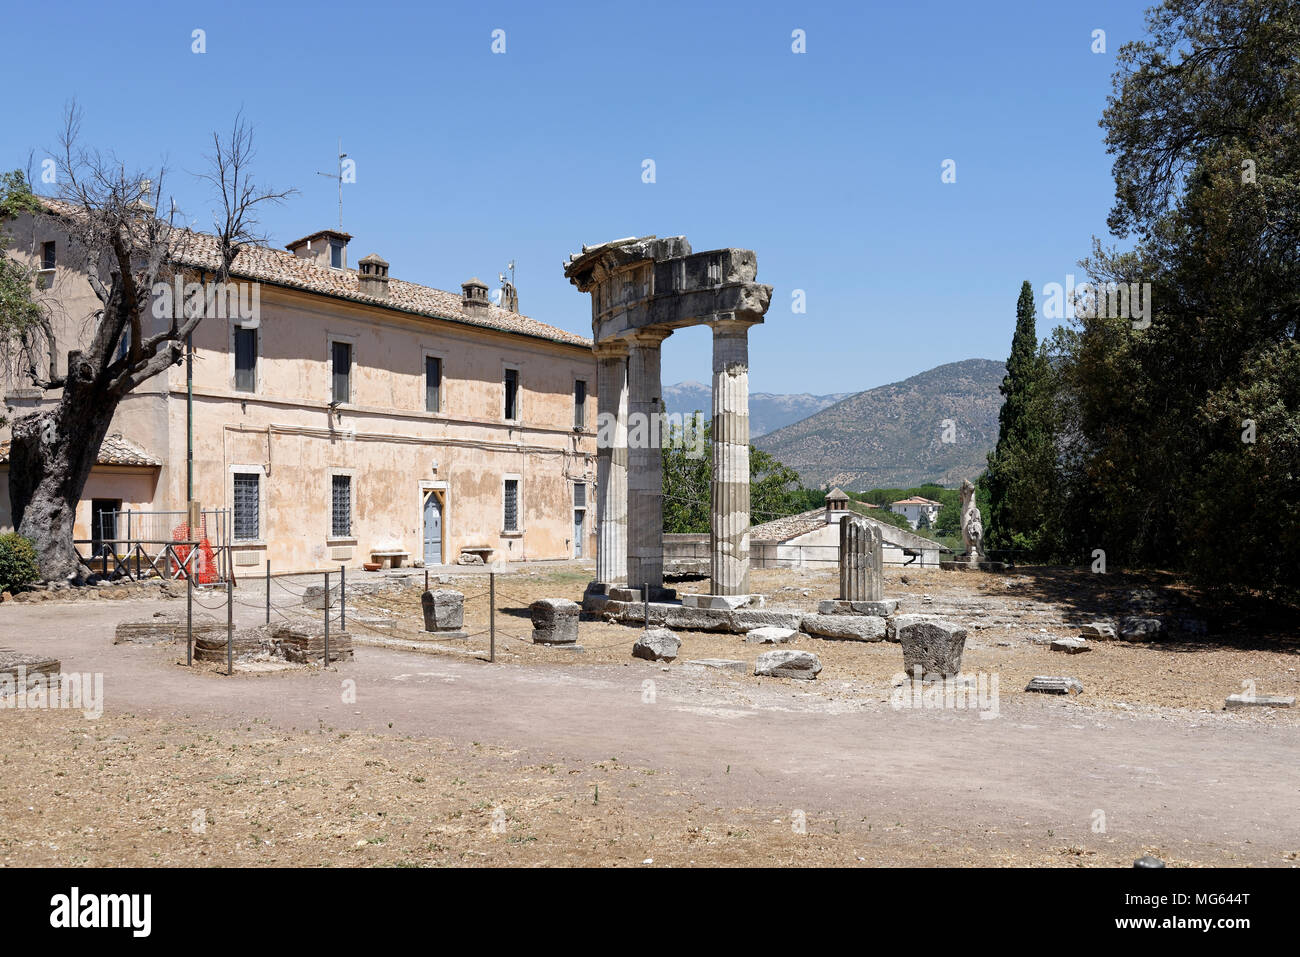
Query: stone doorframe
(438, 489)
(641, 291)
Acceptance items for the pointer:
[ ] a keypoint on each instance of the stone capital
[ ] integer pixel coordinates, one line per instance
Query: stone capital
(610, 349)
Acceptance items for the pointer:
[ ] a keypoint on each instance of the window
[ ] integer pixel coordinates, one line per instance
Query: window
(512, 506)
(336, 254)
(48, 257)
(341, 353)
(579, 494)
(512, 394)
(245, 359)
(580, 404)
(341, 507)
(247, 521)
(432, 383)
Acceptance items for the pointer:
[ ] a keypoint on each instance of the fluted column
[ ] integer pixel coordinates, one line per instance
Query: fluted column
(611, 464)
(861, 555)
(645, 475)
(729, 530)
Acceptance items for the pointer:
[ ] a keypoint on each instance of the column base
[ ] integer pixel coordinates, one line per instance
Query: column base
(881, 609)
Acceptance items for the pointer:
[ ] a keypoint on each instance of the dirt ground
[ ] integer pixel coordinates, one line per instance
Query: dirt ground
(555, 758)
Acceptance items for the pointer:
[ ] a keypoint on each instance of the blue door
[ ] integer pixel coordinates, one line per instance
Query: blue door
(432, 530)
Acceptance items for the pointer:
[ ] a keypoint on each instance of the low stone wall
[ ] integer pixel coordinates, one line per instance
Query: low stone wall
(151, 589)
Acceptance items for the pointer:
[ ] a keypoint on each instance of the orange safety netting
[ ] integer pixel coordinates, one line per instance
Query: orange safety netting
(205, 562)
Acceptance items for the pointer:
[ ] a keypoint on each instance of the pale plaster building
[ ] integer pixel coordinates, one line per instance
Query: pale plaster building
(356, 416)
(916, 507)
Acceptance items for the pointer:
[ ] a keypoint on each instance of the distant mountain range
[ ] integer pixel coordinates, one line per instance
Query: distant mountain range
(768, 411)
(893, 436)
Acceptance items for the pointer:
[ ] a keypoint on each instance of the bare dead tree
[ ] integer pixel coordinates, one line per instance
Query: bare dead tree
(111, 216)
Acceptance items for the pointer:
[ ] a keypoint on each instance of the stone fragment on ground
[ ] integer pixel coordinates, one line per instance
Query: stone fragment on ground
(879, 609)
(845, 627)
(1049, 684)
(1098, 631)
(788, 663)
(1071, 646)
(1235, 701)
(932, 645)
(1140, 629)
(724, 664)
(657, 644)
(768, 635)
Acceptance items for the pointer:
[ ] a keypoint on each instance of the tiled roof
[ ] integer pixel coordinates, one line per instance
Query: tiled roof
(791, 526)
(282, 268)
(917, 500)
(115, 450)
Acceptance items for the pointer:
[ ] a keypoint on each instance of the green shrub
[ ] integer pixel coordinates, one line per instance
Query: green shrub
(18, 567)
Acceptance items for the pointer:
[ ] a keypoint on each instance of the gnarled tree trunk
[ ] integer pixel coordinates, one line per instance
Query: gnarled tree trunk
(50, 459)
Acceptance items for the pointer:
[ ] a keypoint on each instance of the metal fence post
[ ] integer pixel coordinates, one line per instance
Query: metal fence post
(646, 595)
(492, 616)
(230, 628)
(343, 598)
(189, 620)
(326, 664)
(268, 591)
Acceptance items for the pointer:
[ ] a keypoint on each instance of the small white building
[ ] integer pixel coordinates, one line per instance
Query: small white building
(913, 508)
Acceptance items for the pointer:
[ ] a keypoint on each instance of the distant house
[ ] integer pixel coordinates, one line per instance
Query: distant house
(915, 507)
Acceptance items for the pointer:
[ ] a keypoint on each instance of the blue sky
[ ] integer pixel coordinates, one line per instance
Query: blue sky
(828, 163)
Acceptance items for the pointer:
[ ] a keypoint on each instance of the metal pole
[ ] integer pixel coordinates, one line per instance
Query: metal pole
(492, 616)
(327, 621)
(426, 579)
(230, 628)
(646, 595)
(268, 591)
(343, 598)
(189, 619)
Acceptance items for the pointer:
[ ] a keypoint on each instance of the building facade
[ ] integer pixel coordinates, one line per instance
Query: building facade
(340, 415)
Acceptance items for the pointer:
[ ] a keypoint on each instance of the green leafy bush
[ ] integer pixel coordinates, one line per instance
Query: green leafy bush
(18, 567)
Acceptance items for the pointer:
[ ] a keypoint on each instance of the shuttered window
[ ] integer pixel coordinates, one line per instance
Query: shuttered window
(580, 404)
(341, 506)
(512, 506)
(432, 384)
(512, 394)
(342, 368)
(580, 495)
(247, 519)
(245, 359)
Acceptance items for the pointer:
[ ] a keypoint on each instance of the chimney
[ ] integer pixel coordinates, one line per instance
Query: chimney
(474, 297)
(373, 276)
(328, 247)
(837, 506)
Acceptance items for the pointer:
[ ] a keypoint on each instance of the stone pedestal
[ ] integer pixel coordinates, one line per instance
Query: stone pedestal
(555, 622)
(611, 466)
(861, 561)
(444, 613)
(645, 476)
(729, 533)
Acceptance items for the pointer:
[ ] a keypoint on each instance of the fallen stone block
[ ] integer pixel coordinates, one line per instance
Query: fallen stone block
(803, 665)
(20, 672)
(164, 627)
(726, 664)
(845, 627)
(1098, 631)
(1140, 629)
(1235, 701)
(877, 609)
(555, 621)
(1047, 684)
(768, 635)
(932, 645)
(744, 620)
(1071, 646)
(657, 644)
(728, 602)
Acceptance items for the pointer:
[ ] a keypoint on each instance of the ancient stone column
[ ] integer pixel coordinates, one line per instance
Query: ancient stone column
(729, 529)
(861, 561)
(645, 477)
(611, 465)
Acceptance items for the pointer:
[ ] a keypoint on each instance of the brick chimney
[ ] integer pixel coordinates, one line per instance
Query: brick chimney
(474, 297)
(372, 274)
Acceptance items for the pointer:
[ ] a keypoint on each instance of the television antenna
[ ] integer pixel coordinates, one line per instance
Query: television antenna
(339, 177)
